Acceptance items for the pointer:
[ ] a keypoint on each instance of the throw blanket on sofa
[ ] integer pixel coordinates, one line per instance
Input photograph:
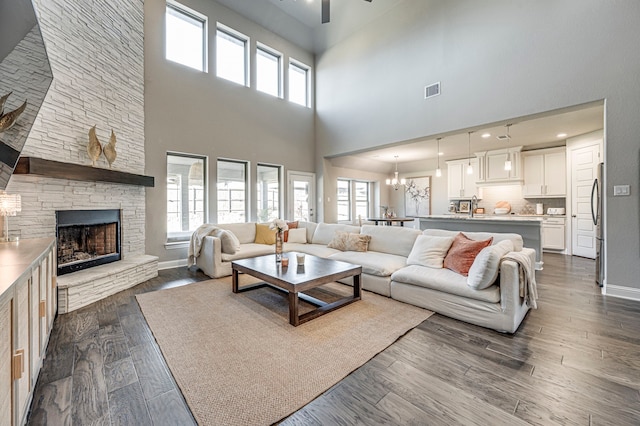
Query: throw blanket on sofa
(195, 244)
(528, 286)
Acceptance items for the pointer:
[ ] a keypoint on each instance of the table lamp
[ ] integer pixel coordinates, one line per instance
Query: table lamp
(10, 204)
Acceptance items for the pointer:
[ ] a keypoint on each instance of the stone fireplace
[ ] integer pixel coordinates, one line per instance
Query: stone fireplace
(87, 238)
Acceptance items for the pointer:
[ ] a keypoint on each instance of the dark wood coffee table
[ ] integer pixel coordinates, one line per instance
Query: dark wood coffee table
(295, 279)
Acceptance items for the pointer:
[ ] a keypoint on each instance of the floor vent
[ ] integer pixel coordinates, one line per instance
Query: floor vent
(432, 90)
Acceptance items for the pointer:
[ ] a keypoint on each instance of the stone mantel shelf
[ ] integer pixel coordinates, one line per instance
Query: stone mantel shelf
(60, 170)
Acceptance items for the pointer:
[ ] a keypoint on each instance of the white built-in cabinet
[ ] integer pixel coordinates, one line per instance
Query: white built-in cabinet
(492, 163)
(27, 310)
(553, 233)
(545, 173)
(461, 184)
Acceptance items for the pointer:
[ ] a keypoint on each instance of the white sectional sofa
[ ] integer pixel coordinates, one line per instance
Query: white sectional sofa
(386, 272)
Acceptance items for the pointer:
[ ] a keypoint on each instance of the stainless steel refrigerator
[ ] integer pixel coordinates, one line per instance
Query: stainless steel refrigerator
(597, 213)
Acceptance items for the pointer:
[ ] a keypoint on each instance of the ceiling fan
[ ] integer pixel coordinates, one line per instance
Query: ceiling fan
(326, 10)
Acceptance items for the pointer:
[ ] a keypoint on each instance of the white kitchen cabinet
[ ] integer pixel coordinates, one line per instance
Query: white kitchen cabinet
(27, 290)
(553, 234)
(545, 173)
(460, 184)
(493, 166)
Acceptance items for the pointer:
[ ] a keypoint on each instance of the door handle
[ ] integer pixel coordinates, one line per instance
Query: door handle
(573, 215)
(594, 191)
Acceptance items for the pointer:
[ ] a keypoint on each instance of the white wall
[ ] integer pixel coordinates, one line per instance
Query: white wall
(496, 60)
(194, 112)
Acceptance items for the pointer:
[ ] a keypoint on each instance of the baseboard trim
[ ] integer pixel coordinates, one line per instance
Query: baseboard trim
(623, 292)
(170, 264)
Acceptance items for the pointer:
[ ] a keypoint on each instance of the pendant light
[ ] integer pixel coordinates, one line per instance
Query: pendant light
(469, 167)
(438, 170)
(395, 181)
(507, 163)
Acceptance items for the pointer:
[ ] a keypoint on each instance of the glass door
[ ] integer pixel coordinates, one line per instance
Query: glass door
(302, 190)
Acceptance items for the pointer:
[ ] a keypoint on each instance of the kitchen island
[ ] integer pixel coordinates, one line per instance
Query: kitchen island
(529, 227)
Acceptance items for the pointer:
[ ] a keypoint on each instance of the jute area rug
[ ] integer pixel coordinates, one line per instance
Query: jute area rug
(237, 359)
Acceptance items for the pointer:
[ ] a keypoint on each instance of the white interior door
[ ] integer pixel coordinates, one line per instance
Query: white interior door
(302, 195)
(584, 169)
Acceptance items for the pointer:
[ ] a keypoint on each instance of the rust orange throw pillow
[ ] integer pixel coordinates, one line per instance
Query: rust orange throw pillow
(463, 252)
(291, 225)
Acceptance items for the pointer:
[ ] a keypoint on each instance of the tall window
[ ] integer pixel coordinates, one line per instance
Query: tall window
(361, 190)
(268, 71)
(231, 55)
(353, 196)
(232, 191)
(299, 83)
(268, 192)
(186, 194)
(186, 36)
(344, 200)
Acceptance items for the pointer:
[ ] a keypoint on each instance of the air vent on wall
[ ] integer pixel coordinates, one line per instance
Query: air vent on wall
(432, 90)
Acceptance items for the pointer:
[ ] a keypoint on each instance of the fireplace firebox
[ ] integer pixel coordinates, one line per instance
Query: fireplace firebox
(87, 238)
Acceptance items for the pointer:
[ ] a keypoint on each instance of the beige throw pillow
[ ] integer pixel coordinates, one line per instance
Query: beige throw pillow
(348, 241)
(485, 267)
(297, 235)
(429, 251)
(230, 243)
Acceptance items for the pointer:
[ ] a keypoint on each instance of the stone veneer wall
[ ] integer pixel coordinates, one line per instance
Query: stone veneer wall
(96, 51)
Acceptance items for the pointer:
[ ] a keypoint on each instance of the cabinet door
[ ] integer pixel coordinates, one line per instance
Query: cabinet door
(6, 356)
(35, 324)
(553, 237)
(533, 175)
(455, 184)
(495, 167)
(555, 175)
(470, 185)
(21, 349)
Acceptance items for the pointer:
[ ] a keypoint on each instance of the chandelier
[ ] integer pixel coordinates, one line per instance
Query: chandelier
(395, 182)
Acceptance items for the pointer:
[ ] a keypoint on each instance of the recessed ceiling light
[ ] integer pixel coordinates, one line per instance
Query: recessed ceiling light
(486, 135)
(441, 153)
(561, 135)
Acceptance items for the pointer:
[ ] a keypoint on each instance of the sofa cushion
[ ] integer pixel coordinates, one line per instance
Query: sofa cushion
(290, 225)
(372, 262)
(391, 239)
(297, 236)
(446, 281)
(246, 232)
(264, 235)
(228, 241)
(429, 251)
(314, 249)
(484, 270)
(463, 252)
(249, 250)
(325, 231)
(516, 239)
(348, 241)
(310, 227)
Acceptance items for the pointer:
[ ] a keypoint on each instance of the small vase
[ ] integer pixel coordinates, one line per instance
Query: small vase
(279, 246)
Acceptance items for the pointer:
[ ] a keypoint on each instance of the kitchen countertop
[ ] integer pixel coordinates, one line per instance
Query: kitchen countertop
(491, 217)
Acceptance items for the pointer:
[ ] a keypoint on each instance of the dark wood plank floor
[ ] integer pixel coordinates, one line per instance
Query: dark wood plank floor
(575, 360)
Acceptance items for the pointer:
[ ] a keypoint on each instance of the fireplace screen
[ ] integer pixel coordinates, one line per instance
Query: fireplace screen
(87, 238)
(86, 242)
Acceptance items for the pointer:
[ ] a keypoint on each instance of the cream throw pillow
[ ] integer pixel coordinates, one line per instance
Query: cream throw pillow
(429, 251)
(484, 270)
(230, 243)
(297, 235)
(348, 241)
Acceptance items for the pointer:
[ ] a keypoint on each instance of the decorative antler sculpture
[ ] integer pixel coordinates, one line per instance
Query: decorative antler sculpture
(109, 149)
(94, 149)
(9, 119)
